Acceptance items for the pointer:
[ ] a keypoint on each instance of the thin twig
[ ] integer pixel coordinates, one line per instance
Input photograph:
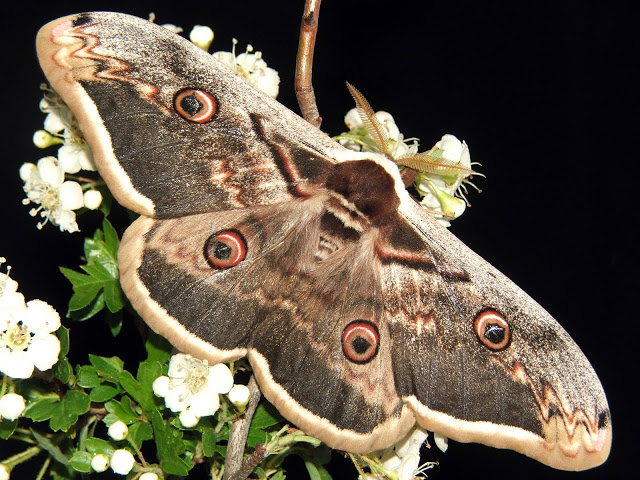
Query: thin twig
(304, 63)
(233, 466)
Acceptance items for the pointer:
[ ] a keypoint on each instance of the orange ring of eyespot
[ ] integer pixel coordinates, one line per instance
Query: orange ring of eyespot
(360, 329)
(208, 105)
(483, 321)
(216, 243)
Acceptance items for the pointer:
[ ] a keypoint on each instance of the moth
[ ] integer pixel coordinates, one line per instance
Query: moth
(259, 236)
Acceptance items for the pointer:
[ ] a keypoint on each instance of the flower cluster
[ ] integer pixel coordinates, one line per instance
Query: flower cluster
(45, 184)
(27, 338)
(441, 172)
(192, 388)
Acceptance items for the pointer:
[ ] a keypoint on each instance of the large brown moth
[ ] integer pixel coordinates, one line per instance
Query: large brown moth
(261, 237)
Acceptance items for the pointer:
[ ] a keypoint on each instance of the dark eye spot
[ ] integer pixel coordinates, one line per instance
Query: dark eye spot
(195, 105)
(360, 340)
(492, 330)
(225, 249)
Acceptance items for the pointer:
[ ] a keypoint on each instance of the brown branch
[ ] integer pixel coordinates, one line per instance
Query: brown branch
(233, 466)
(304, 62)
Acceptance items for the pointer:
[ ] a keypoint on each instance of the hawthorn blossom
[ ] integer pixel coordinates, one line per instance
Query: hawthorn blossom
(57, 198)
(27, 340)
(404, 457)
(193, 386)
(253, 68)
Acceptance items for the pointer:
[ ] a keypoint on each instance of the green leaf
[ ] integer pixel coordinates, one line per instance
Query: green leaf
(102, 277)
(85, 288)
(121, 410)
(265, 416)
(111, 240)
(147, 373)
(134, 388)
(316, 471)
(41, 409)
(63, 335)
(81, 461)
(62, 370)
(158, 348)
(7, 427)
(98, 445)
(140, 432)
(87, 377)
(169, 446)
(50, 447)
(208, 440)
(114, 321)
(103, 393)
(89, 311)
(109, 368)
(68, 410)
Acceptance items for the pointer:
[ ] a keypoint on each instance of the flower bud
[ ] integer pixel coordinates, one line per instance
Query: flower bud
(4, 472)
(118, 430)
(239, 396)
(92, 199)
(202, 36)
(148, 476)
(188, 419)
(100, 462)
(43, 139)
(11, 406)
(160, 386)
(122, 461)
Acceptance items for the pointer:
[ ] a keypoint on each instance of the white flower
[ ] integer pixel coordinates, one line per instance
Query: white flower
(57, 198)
(148, 476)
(188, 419)
(118, 430)
(92, 199)
(359, 139)
(4, 472)
(404, 457)
(239, 396)
(100, 462)
(76, 156)
(193, 384)
(202, 36)
(26, 337)
(253, 68)
(122, 461)
(11, 406)
(439, 192)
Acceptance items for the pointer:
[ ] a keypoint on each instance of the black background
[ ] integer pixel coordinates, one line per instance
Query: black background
(541, 91)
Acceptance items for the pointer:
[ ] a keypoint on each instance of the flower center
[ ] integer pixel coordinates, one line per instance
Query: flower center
(197, 377)
(16, 336)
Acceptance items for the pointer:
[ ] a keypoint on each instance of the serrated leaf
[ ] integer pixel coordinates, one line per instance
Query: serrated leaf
(209, 440)
(137, 391)
(63, 335)
(50, 447)
(87, 377)
(98, 445)
(89, 311)
(68, 410)
(140, 432)
(169, 446)
(81, 461)
(122, 410)
(265, 416)
(111, 240)
(148, 371)
(107, 367)
(41, 409)
(114, 321)
(102, 393)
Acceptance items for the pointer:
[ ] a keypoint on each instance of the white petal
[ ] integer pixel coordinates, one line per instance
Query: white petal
(389, 123)
(269, 82)
(11, 406)
(352, 119)
(54, 123)
(179, 365)
(71, 195)
(412, 442)
(26, 169)
(204, 403)
(43, 351)
(86, 159)
(69, 160)
(177, 398)
(15, 363)
(408, 467)
(50, 172)
(220, 378)
(41, 317)
(441, 441)
(202, 36)
(66, 219)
